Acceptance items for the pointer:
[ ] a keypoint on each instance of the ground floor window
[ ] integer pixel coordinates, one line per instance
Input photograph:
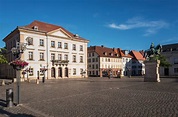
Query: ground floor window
(74, 71)
(175, 70)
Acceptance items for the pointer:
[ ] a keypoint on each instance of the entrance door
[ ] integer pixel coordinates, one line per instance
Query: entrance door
(53, 72)
(166, 71)
(66, 72)
(60, 72)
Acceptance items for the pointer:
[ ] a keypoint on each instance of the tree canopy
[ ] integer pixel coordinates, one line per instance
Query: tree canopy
(2, 57)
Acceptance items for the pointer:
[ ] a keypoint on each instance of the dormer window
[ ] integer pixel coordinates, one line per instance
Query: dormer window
(35, 27)
(111, 54)
(105, 53)
(76, 36)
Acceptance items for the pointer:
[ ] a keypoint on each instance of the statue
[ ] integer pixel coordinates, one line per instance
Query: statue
(150, 53)
(152, 63)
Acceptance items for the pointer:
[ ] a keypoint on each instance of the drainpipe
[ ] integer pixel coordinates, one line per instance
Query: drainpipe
(47, 53)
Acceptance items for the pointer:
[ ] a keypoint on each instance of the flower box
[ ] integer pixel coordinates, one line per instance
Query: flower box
(18, 64)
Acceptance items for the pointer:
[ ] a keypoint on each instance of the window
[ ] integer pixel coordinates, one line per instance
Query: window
(89, 60)
(41, 42)
(93, 59)
(74, 71)
(65, 57)
(53, 44)
(81, 47)
(96, 59)
(30, 55)
(52, 56)
(93, 54)
(59, 45)
(30, 71)
(73, 47)
(41, 56)
(59, 56)
(74, 58)
(89, 66)
(175, 61)
(175, 70)
(65, 45)
(93, 66)
(81, 71)
(81, 59)
(96, 66)
(93, 72)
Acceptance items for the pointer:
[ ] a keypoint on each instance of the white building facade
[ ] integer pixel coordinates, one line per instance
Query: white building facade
(62, 53)
(104, 61)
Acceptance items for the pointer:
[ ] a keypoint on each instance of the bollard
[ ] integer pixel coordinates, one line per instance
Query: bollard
(9, 97)
(43, 79)
(37, 81)
(3, 82)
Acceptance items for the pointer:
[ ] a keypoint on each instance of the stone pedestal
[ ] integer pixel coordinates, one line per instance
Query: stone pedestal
(152, 71)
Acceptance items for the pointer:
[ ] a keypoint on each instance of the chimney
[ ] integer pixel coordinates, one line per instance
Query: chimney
(102, 46)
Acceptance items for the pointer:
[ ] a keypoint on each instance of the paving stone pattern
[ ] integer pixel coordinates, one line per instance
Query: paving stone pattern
(94, 97)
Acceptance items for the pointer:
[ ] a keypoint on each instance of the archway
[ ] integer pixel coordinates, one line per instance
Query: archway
(53, 74)
(60, 72)
(66, 72)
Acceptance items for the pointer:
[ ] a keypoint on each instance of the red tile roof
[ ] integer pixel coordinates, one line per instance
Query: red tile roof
(137, 55)
(46, 27)
(108, 52)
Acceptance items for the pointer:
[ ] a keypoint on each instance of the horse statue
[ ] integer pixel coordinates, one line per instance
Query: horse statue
(150, 53)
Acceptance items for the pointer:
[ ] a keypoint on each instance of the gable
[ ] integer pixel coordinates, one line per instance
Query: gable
(59, 33)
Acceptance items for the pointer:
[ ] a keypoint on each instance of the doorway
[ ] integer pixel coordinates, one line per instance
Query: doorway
(66, 72)
(60, 72)
(166, 71)
(53, 72)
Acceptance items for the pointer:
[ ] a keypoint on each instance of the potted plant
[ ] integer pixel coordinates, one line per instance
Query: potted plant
(18, 64)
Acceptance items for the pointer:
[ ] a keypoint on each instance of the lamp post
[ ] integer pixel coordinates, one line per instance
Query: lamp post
(18, 64)
(43, 70)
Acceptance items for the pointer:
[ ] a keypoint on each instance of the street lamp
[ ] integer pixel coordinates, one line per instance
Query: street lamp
(43, 70)
(18, 64)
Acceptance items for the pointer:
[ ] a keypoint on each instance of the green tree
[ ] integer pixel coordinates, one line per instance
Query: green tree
(2, 55)
(163, 61)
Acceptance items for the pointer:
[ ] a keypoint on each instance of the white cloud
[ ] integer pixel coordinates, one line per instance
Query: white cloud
(151, 27)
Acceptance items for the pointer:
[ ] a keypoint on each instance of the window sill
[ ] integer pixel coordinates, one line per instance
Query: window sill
(31, 60)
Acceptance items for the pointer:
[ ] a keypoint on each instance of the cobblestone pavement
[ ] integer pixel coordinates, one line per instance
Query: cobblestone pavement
(94, 97)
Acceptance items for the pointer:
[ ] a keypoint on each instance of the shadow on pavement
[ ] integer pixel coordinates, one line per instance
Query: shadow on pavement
(9, 114)
(2, 103)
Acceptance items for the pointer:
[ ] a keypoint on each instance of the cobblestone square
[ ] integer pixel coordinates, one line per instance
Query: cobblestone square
(94, 97)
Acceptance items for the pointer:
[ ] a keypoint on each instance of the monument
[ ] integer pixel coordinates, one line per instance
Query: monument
(152, 64)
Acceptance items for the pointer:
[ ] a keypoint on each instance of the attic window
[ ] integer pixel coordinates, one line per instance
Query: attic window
(117, 55)
(35, 27)
(111, 54)
(76, 35)
(105, 53)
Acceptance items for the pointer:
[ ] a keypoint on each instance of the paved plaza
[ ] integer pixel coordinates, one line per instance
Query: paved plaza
(94, 97)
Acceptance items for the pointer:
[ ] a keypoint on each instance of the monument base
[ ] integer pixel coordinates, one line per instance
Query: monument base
(152, 71)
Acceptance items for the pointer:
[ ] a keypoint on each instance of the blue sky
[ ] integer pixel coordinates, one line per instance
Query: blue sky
(127, 24)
